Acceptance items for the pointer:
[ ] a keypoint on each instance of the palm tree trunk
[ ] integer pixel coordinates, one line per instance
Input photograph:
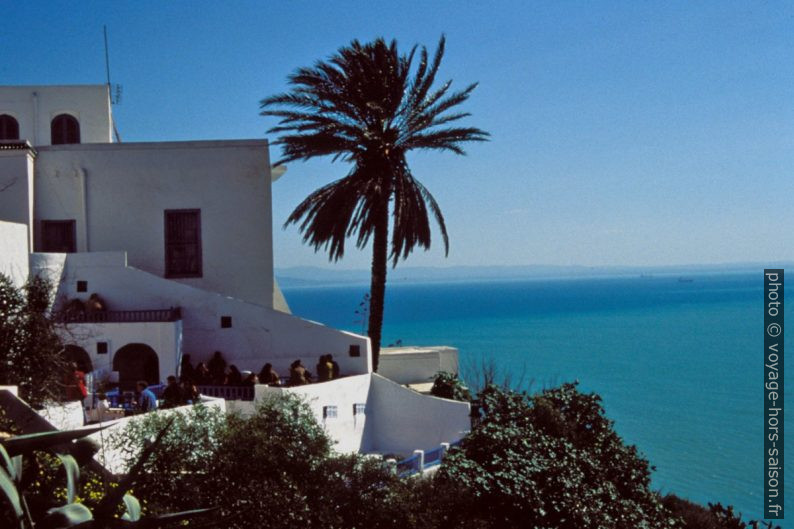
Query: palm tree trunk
(378, 284)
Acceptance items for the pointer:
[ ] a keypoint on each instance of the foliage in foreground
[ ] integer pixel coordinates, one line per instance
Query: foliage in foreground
(552, 461)
(30, 502)
(274, 469)
(31, 353)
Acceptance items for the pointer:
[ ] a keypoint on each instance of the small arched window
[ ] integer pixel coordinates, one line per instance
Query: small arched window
(9, 128)
(64, 129)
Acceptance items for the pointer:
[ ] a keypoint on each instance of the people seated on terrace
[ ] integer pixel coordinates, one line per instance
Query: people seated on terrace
(324, 369)
(146, 400)
(334, 366)
(217, 367)
(201, 375)
(95, 304)
(251, 380)
(269, 376)
(234, 377)
(190, 392)
(172, 394)
(186, 371)
(298, 375)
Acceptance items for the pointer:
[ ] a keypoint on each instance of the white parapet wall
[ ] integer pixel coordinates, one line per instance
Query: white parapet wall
(112, 456)
(416, 365)
(376, 415)
(14, 252)
(407, 420)
(64, 416)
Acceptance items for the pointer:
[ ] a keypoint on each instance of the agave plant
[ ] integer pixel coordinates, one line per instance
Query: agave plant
(74, 514)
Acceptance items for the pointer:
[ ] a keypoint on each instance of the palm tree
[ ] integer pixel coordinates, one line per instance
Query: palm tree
(368, 105)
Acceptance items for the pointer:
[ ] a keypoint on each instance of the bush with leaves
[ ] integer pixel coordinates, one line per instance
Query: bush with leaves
(449, 386)
(552, 461)
(274, 469)
(715, 516)
(31, 352)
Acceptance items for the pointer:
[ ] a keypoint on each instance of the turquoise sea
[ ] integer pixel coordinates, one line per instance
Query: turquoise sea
(679, 363)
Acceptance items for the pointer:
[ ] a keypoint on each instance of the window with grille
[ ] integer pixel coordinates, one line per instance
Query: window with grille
(183, 243)
(359, 408)
(64, 129)
(330, 412)
(9, 128)
(58, 236)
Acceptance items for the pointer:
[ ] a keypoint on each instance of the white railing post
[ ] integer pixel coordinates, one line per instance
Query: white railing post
(444, 450)
(421, 454)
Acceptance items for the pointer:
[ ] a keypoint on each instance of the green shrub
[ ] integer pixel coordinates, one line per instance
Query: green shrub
(449, 386)
(31, 352)
(552, 461)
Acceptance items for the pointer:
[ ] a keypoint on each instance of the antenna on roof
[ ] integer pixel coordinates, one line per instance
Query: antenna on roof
(113, 100)
(107, 57)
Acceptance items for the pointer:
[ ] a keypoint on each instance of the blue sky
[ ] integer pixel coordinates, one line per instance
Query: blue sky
(623, 133)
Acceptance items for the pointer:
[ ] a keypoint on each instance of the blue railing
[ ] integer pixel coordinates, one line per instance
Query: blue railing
(410, 465)
(434, 457)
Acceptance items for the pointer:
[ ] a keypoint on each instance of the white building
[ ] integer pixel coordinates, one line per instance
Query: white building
(151, 227)
(176, 238)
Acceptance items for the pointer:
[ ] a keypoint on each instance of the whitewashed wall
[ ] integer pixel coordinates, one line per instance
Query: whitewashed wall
(347, 429)
(49, 266)
(163, 337)
(14, 252)
(16, 183)
(118, 193)
(396, 419)
(35, 106)
(258, 334)
(65, 416)
(113, 459)
(411, 365)
(407, 420)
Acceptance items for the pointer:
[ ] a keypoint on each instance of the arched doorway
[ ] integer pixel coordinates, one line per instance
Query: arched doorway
(79, 356)
(134, 362)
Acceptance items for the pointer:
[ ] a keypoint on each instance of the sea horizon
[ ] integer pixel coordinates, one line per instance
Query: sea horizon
(317, 276)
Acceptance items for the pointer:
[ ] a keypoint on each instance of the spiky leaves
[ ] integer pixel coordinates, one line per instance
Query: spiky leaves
(369, 105)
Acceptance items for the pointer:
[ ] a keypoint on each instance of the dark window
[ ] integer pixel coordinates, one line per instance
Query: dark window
(355, 350)
(101, 348)
(9, 128)
(359, 408)
(58, 236)
(226, 322)
(82, 286)
(64, 129)
(183, 243)
(329, 412)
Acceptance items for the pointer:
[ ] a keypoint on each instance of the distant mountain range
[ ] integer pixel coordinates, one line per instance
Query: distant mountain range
(316, 276)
